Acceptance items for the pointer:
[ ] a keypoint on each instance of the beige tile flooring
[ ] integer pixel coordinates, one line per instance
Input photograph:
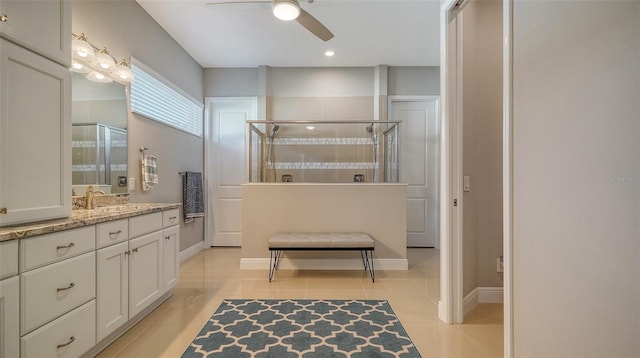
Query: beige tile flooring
(214, 274)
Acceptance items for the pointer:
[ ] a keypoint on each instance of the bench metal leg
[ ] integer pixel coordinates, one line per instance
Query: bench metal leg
(367, 260)
(274, 260)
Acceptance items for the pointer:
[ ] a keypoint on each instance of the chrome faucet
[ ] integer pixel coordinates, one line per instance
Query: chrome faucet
(89, 195)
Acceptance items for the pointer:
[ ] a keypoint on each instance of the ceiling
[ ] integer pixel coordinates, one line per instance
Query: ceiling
(367, 33)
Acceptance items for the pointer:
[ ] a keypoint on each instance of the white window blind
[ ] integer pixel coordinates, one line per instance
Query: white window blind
(154, 99)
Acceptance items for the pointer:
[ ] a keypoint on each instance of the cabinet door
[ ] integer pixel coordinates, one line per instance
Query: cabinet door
(41, 26)
(145, 271)
(170, 250)
(35, 136)
(9, 317)
(8, 259)
(112, 295)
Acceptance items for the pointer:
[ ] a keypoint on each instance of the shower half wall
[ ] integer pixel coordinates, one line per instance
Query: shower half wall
(324, 176)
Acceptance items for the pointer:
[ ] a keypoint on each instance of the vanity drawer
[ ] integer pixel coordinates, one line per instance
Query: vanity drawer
(50, 291)
(45, 249)
(112, 232)
(74, 334)
(170, 217)
(8, 258)
(144, 224)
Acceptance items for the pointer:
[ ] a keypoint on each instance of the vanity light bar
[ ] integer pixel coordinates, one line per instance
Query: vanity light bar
(99, 65)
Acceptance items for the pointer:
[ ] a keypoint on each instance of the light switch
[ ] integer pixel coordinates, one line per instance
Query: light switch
(466, 186)
(132, 184)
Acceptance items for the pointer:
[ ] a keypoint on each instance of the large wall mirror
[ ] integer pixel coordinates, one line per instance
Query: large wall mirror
(99, 135)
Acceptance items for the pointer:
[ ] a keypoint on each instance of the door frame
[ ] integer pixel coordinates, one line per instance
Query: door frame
(450, 305)
(209, 170)
(507, 173)
(450, 267)
(436, 100)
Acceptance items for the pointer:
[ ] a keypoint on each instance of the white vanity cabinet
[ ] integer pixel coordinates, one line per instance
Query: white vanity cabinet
(112, 289)
(9, 300)
(131, 273)
(145, 261)
(41, 26)
(145, 271)
(72, 292)
(171, 248)
(171, 264)
(57, 293)
(35, 122)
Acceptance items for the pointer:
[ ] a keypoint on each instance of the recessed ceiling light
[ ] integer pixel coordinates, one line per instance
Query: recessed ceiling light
(311, 128)
(329, 53)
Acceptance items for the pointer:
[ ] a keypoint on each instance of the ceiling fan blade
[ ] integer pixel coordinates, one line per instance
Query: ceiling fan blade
(312, 24)
(240, 5)
(229, 2)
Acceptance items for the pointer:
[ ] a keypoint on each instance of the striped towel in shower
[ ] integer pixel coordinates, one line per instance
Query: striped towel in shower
(149, 172)
(192, 198)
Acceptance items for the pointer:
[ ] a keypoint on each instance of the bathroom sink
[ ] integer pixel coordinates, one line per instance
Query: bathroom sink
(121, 208)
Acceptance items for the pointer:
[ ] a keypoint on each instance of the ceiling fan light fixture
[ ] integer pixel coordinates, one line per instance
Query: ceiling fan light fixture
(286, 10)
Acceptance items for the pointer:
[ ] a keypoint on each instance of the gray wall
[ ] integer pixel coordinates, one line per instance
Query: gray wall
(482, 148)
(127, 30)
(330, 81)
(412, 81)
(576, 184)
(229, 82)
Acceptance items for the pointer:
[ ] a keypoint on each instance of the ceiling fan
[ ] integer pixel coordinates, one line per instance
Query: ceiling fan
(288, 10)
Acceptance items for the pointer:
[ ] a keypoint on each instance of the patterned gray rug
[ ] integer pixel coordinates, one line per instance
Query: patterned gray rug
(303, 328)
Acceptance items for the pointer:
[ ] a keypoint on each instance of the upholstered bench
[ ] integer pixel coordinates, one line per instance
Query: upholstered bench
(329, 241)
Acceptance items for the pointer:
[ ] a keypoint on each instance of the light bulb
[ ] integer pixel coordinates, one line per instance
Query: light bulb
(104, 60)
(79, 67)
(82, 48)
(96, 76)
(123, 72)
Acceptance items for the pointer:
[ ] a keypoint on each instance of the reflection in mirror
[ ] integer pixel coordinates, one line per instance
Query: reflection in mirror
(99, 135)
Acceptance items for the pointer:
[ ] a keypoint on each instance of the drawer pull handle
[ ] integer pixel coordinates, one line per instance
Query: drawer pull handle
(68, 246)
(115, 232)
(4, 18)
(71, 340)
(167, 237)
(135, 250)
(127, 253)
(3, 210)
(71, 285)
(173, 217)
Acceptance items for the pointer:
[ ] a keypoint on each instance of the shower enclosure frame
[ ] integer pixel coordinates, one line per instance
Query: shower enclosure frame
(385, 142)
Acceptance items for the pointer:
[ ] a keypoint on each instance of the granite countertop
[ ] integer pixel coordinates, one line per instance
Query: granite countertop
(81, 217)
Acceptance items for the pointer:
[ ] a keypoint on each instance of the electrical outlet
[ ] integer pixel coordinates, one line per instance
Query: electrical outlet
(499, 264)
(132, 184)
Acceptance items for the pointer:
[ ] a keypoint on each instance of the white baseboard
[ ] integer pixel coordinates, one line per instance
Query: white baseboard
(323, 264)
(470, 301)
(482, 295)
(490, 294)
(190, 251)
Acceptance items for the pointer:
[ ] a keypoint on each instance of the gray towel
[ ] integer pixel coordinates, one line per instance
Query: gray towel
(192, 198)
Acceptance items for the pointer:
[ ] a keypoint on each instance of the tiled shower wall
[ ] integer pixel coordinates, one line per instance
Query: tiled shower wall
(325, 161)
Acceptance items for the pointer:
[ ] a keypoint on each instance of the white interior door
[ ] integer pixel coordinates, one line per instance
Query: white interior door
(418, 165)
(225, 166)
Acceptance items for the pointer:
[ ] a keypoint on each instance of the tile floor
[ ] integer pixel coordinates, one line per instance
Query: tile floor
(214, 274)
